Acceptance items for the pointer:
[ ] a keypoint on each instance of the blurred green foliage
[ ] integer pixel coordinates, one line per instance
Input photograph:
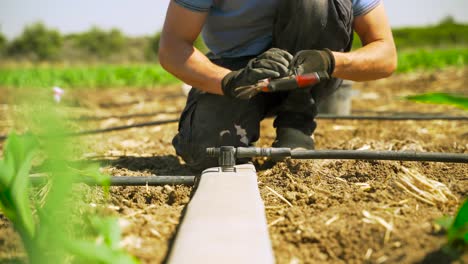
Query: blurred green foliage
(112, 46)
(457, 232)
(3, 42)
(448, 33)
(153, 47)
(37, 42)
(200, 45)
(101, 76)
(100, 43)
(441, 98)
(44, 218)
(151, 75)
(118, 61)
(433, 59)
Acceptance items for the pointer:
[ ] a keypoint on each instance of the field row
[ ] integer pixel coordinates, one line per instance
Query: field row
(150, 75)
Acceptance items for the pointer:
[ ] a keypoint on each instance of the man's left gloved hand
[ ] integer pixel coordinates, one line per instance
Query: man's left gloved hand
(308, 61)
(273, 63)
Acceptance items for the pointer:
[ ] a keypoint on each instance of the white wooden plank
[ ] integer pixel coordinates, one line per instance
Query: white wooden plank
(225, 221)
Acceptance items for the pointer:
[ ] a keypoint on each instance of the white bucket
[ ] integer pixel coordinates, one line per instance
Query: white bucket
(339, 103)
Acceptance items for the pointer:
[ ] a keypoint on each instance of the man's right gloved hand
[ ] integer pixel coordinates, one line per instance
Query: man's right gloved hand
(272, 64)
(308, 61)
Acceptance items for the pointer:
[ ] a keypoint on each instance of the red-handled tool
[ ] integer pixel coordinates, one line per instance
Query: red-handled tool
(280, 85)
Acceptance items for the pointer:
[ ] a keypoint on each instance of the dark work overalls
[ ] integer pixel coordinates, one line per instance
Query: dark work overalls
(210, 120)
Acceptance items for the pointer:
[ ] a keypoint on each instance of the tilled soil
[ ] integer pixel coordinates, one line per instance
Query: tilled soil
(342, 211)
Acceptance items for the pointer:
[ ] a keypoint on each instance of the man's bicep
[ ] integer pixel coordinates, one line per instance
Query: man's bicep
(373, 26)
(183, 23)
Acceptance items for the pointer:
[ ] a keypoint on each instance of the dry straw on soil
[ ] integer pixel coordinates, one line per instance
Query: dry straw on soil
(424, 189)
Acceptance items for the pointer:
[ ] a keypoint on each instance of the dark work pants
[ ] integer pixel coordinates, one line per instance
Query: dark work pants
(210, 120)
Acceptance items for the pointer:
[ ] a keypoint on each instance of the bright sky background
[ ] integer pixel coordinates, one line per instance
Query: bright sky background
(144, 17)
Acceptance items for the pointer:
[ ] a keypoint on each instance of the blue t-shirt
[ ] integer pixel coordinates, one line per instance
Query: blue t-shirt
(237, 28)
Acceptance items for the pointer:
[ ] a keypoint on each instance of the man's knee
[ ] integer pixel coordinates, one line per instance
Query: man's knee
(213, 121)
(193, 153)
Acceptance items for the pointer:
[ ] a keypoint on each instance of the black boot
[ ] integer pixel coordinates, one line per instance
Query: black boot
(292, 138)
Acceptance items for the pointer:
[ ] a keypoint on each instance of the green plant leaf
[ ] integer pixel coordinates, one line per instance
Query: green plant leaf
(107, 252)
(49, 235)
(90, 252)
(19, 153)
(440, 98)
(91, 170)
(445, 222)
(459, 228)
(20, 184)
(6, 206)
(109, 229)
(6, 174)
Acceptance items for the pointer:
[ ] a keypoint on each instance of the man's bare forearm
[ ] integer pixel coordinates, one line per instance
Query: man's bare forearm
(191, 66)
(373, 61)
(377, 58)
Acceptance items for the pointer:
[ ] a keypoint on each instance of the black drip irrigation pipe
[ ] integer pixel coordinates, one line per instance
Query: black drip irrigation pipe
(110, 129)
(227, 154)
(380, 155)
(116, 128)
(151, 180)
(395, 117)
(98, 118)
(130, 180)
(321, 116)
(277, 152)
(351, 117)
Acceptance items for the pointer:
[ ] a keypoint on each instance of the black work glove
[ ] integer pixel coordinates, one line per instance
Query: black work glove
(273, 63)
(308, 61)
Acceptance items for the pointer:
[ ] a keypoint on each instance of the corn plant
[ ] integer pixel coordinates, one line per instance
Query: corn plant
(457, 227)
(105, 252)
(45, 227)
(457, 230)
(14, 195)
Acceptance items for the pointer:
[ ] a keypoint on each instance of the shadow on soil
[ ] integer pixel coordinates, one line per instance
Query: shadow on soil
(443, 255)
(172, 239)
(158, 165)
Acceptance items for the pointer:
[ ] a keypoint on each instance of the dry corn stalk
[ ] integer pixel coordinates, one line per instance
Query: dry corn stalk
(426, 190)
